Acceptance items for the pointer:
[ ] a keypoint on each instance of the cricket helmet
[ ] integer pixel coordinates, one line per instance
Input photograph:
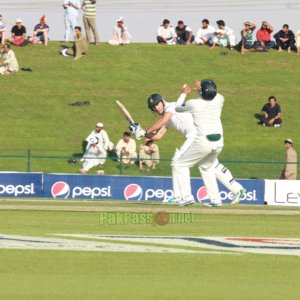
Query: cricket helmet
(153, 100)
(208, 89)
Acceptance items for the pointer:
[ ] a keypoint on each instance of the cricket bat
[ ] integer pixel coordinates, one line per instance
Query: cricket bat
(125, 112)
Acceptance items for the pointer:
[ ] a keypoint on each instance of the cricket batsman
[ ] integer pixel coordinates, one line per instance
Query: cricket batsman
(183, 123)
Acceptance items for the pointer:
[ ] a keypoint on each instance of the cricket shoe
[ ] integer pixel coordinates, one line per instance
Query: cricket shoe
(238, 196)
(64, 52)
(186, 202)
(213, 204)
(172, 200)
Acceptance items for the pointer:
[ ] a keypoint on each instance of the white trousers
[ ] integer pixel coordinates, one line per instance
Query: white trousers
(204, 153)
(70, 23)
(224, 40)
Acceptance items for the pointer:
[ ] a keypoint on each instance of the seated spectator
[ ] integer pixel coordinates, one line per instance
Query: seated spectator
(104, 144)
(80, 46)
(126, 149)
(184, 34)
(148, 156)
(223, 36)
(270, 113)
(166, 33)
(247, 33)
(3, 31)
(40, 34)
(298, 42)
(285, 39)
(121, 35)
(92, 155)
(18, 34)
(10, 63)
(205, 34)
(289, 171)
(263, 36)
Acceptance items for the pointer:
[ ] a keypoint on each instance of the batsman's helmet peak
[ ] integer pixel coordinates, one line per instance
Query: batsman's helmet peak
(153, 100)
(208, 89)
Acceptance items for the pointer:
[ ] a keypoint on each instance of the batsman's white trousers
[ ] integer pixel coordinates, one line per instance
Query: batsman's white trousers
(204, 153)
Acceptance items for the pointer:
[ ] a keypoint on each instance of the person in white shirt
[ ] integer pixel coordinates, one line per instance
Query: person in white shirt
(148, 155)
(166, 34)
(205, 34)
(183, 123)
(10, 64)
(71, 8)
(126, 149)
(223, 36)
(3, 31)
(121, 35)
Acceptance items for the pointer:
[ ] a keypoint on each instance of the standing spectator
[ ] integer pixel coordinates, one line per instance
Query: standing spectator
(10, 63)
(71, 8)
(18, 34)
(223, 36)
(126, 149)
(121, 35)
(285, 39)
(89, 20)
(40, 34)
(263, 36)
(270, 113)
(149, 155)
(3, 31)
(80, 46)
(103, 141)
(205, 33)
(298, 42)
(92, 156)
(247, 33)
(166, 33)
(184, 34)
(290, 169)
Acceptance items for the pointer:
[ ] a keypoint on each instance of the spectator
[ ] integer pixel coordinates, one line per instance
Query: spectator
(290, 168)
(285, 39)
(270, 113)
(205, 33)
(3, 31)
(166, 33)
(126, 149)
(40, 34)
(93, 155)
(223, 36)
(71, 8)
(89, 20)
(298, 42)
(103, 142)
(149, 155)
(80, 46)
(121, 35)
(184, 34)
(10, 63)
(18, 34)
(247, 33)
(263, 36)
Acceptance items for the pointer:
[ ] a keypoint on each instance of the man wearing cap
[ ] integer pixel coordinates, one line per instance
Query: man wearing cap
(3, 31)
(40, 34)
(166, 33)
(10, 63)
(71, 8)
(18, 34)
(290, 168)
(121, 35)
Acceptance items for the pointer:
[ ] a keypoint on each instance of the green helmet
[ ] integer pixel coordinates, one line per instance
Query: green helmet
(153, 100)
(208, 89)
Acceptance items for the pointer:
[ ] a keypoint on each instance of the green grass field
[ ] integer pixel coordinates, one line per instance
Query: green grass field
(35, 113)
(56, 274)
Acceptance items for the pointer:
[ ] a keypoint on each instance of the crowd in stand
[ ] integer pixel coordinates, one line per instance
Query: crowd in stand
(98, 147)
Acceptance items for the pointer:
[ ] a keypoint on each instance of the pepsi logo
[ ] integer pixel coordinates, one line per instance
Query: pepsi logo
(202, 194)
(60, 189)
(133, 192)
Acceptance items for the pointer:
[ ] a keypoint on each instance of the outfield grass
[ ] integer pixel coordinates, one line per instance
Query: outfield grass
(35, 113)
(34, 274)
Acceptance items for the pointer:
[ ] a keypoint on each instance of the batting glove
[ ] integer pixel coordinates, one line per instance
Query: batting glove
(133, 128)
(140, 133)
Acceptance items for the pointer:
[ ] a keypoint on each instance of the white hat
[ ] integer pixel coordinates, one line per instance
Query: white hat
(120, 19)
(288, 141)
(19, 20)
(99, 125)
